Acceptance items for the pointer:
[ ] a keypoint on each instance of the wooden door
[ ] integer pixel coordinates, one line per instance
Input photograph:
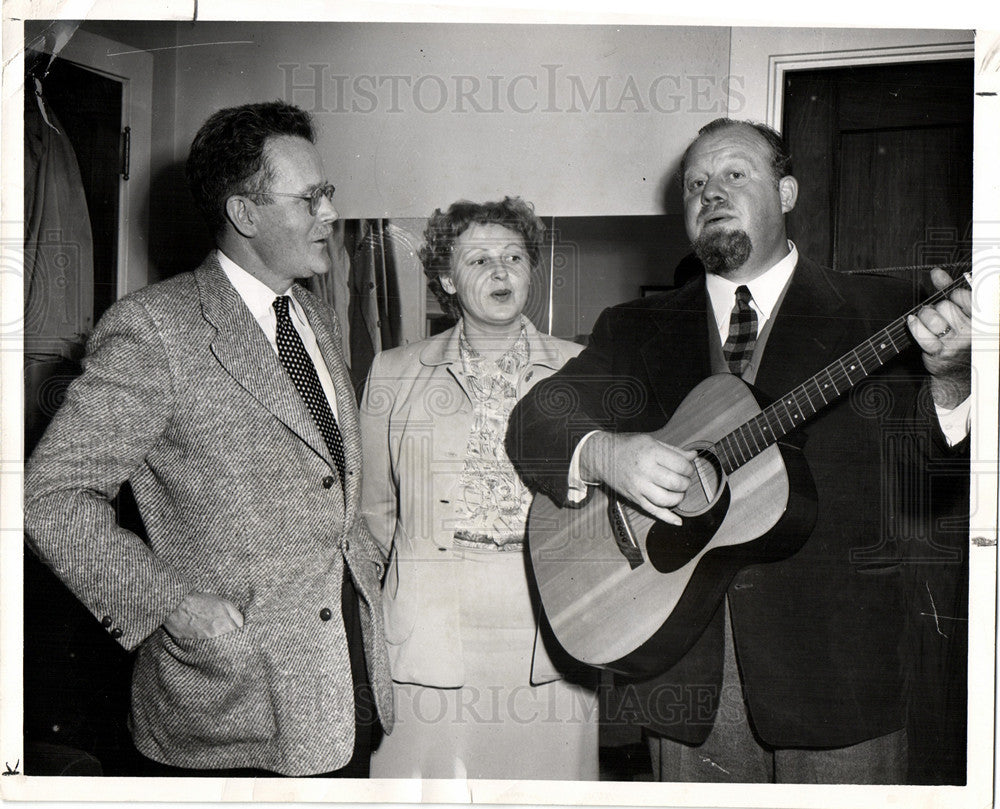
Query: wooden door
(883, 155)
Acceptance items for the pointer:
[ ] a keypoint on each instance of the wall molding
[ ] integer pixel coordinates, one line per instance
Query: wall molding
(779, 64)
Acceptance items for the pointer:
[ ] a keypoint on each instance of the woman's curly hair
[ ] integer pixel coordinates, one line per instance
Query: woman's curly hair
(444, 228)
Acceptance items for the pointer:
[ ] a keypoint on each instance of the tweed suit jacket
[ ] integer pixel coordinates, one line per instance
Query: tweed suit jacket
(817, 635)
(183, 396)
(416, 416)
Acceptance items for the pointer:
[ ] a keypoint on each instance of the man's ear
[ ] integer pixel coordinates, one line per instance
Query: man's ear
(242, 215)
(788, 190)
(449, 284)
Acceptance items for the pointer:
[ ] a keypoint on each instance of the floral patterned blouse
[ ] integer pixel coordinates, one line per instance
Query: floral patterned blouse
(493, 502)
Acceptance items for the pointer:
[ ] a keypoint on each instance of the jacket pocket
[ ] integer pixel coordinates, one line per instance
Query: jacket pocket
(212, 690)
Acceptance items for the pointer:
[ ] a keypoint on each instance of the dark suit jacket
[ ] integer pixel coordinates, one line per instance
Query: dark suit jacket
(817, 634)
(183, 396)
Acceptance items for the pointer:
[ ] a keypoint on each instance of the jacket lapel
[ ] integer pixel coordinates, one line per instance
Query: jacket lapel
(676, 358)
(541, 352)
(808, 333)
(442, 349)
(328, 339)
(242, 350)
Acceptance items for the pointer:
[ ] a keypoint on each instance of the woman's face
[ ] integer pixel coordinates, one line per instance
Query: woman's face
(490, 274)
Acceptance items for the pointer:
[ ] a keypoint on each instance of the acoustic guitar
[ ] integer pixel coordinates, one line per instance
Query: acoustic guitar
(626, 592)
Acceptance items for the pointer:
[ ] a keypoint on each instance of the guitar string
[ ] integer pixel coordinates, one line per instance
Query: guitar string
(735, 448)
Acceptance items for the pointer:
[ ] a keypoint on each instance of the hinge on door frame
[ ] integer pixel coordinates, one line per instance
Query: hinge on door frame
(126, 151)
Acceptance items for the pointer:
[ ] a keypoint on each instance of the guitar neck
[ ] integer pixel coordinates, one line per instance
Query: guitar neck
(798, 405)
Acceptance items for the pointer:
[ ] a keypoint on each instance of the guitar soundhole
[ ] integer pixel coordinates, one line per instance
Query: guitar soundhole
(705, 487)
(671, 547)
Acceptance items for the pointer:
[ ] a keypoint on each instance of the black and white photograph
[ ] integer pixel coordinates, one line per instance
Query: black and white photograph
(467, 404)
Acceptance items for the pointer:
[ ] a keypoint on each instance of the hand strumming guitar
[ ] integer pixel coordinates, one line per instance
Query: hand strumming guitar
(651, 474)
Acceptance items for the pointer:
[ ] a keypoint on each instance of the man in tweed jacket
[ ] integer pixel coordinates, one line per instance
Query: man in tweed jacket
(254, 605)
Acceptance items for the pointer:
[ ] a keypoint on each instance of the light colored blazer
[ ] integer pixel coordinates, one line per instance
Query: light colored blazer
(415, 421)
(183, 397)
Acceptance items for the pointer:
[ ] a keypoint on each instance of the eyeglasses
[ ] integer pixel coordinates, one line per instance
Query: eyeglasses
(314, 198)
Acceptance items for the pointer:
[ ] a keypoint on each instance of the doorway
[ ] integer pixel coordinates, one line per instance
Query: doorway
(75, 677)
(883, 155)
(89, 106)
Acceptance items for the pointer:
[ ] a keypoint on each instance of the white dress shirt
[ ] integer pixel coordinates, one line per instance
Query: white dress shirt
(765, 290)
(259, 298)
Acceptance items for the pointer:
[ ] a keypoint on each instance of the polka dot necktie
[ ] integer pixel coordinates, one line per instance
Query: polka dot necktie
(303, 373)
(742, 333)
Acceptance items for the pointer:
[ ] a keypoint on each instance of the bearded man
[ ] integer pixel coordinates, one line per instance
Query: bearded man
(800, 676)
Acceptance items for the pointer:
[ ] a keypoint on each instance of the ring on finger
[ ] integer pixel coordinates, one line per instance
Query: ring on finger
(942, 333)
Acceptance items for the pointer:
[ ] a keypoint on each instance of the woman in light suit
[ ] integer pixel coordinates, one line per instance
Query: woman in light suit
(477, 692)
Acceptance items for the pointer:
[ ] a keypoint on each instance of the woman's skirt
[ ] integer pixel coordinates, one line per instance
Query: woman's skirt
(498, 724)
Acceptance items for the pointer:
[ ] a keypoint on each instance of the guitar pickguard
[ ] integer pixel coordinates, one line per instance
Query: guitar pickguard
(670, 547)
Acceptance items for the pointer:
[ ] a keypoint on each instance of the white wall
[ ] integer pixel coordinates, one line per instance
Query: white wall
(751, 49)
(537, 125)
(400, 138)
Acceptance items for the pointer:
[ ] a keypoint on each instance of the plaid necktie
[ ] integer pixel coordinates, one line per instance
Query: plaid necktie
(303, 373)
(742, 333)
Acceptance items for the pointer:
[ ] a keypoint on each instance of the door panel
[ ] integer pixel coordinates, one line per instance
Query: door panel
(883, 155)
(897, 196)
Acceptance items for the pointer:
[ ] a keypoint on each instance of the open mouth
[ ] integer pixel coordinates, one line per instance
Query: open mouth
(502, 295)
(716, 218)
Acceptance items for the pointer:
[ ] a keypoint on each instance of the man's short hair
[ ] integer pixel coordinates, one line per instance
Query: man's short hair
(227, 155)
(781, 160)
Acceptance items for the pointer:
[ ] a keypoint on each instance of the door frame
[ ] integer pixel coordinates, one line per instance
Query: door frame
(133, 68)
(779, 64)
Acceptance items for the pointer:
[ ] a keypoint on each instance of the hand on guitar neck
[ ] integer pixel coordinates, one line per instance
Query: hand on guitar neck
(944, 333)
(651, 474)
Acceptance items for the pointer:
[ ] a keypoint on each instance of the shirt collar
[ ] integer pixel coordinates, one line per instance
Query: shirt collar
(257, 295)
(765, 289)
(511, 361)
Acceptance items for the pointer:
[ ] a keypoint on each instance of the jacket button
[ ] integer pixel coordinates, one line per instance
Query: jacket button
(106, 621)
(325, 614)
(328, 481)
(116, 633)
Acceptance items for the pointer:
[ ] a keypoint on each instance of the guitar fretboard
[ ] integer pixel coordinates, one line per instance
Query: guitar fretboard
(797, 406)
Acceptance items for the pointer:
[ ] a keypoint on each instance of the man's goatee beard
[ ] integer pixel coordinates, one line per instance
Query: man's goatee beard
(723, 252)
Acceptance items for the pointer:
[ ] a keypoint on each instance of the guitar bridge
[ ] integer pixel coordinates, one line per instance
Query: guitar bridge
(621, 529)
